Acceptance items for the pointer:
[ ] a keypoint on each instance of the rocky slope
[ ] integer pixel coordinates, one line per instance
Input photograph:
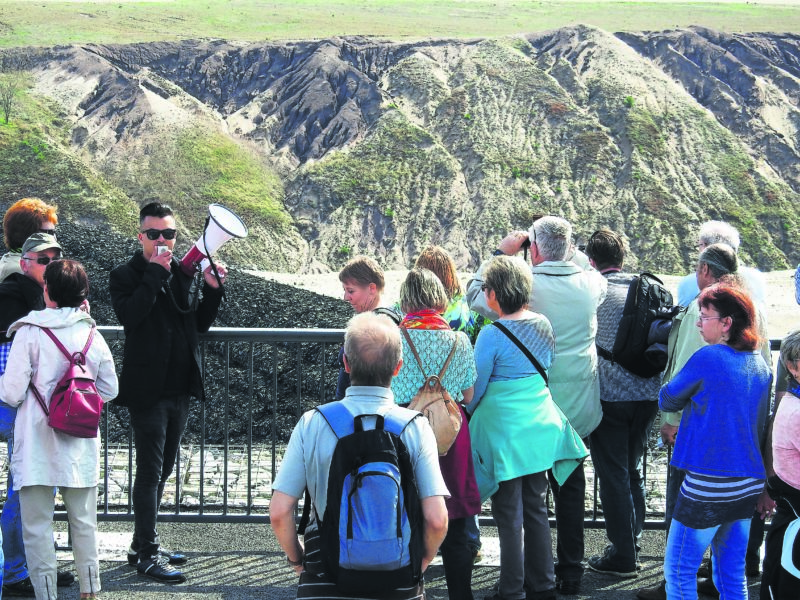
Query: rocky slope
(382, 147)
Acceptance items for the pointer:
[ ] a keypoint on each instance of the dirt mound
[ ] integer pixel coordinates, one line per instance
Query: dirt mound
(384, 147)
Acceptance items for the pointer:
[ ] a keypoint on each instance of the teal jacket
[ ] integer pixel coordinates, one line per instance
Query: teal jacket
(518, 430)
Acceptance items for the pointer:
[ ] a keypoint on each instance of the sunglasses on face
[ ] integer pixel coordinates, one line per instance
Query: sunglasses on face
(48, 231)
(154, 234)
(42, 260)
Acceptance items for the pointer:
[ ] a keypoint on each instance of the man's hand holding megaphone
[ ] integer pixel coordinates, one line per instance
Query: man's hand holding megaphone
(211, 279)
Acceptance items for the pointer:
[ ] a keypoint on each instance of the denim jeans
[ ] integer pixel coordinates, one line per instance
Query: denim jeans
(617, 447)
(12, 547)
(519, 507)
(685, 549)
(157, 436)
(569, 499)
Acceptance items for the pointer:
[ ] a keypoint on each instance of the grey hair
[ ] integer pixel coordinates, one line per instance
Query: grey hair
(553, 236)
(511, 280)
(373, 349)
(719, 232)
(720, 260)
(790, 348)
(422, 289)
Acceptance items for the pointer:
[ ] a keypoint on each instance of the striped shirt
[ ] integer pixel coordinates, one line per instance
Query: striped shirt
(707, 500)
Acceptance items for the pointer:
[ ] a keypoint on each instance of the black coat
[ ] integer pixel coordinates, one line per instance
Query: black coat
(152, 325)
(19, 295)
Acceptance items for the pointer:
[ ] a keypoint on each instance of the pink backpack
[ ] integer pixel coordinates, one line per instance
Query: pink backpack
(75, 405)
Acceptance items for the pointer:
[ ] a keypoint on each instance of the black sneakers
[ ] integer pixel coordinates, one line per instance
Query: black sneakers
(157, 567)
(173, 557)
(568, 586)
(604, 564)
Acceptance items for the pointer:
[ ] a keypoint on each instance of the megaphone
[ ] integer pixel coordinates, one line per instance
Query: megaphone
(221, 225)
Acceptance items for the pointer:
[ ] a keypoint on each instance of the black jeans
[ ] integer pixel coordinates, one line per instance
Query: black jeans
(569, 499)
(457, 556)
(157, 436)
(618, 445)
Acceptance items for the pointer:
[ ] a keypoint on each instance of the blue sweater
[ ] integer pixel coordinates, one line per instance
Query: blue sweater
(724, 395)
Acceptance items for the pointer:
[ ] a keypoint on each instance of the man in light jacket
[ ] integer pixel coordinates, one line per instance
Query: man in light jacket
(568, 296)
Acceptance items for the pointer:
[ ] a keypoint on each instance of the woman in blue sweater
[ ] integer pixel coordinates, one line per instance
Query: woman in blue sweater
(723, 391)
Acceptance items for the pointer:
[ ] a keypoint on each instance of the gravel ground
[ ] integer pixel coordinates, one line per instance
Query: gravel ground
(239, 562)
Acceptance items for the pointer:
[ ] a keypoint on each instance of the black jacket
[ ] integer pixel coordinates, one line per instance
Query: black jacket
(19, 295)
(152, 325)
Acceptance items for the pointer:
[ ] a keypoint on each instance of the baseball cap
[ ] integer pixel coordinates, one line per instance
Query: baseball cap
(39, 242)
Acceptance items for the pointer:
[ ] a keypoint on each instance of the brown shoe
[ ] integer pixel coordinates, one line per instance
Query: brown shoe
(658, 592)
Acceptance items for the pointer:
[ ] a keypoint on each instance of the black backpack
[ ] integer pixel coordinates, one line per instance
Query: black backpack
(648, 310)
(371, 535)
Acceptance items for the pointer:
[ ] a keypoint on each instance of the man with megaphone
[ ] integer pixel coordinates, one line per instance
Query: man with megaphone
(157, 302)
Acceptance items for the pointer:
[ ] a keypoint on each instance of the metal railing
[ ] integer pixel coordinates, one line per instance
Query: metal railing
(258, 382)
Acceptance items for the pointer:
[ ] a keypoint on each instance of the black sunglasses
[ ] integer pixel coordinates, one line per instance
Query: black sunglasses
(42, 260)
(154, 234)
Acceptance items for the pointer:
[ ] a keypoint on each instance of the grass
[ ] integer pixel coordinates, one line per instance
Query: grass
(48, 22)
(35, 160)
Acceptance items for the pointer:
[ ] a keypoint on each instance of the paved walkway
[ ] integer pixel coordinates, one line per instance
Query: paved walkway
(238, 562)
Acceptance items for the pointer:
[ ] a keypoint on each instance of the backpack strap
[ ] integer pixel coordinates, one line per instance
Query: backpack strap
(419, 362)
(338, 417)
(413, 349)
(39, 399)
(525, 351)
(78, 357)
(395, 421)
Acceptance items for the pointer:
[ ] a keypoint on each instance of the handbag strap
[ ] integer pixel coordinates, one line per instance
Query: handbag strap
(419, 362)
(525, 351)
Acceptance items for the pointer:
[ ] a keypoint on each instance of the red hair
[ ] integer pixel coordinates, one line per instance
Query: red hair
(731, 301)
(23, 219)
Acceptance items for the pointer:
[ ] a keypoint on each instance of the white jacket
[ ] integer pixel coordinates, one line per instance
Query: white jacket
(43, 456)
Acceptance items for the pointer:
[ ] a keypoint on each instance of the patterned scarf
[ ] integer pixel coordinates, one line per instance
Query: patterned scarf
(424, 319)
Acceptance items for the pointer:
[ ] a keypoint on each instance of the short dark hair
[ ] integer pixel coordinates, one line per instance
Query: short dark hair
(155, 209)
(67, 283)
(23, 219)
(606, 249)
(731, 301)
(363, 270)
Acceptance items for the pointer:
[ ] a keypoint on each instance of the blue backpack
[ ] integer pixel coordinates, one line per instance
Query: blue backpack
(371, 534)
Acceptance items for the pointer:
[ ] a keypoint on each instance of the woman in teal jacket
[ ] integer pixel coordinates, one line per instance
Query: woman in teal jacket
(512, 406)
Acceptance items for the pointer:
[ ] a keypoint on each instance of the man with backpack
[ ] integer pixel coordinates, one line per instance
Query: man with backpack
(371, 469)
(630, 406)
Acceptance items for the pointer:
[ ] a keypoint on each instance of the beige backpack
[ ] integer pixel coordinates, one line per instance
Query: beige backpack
(433, 401)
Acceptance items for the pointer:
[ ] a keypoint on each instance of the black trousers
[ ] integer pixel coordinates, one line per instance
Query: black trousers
(157, 436)
(569, 500)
